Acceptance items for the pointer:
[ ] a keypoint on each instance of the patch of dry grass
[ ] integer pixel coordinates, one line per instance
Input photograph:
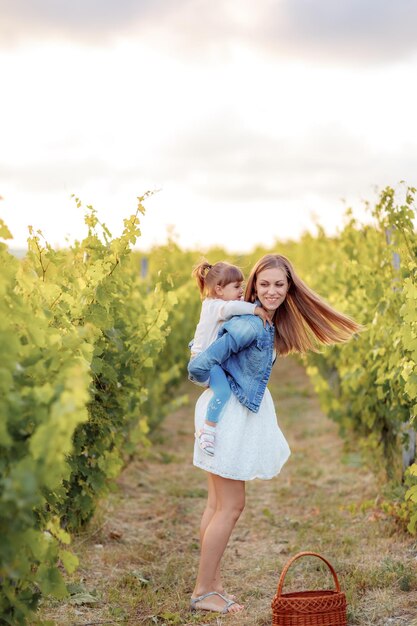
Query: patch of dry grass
(139, 556)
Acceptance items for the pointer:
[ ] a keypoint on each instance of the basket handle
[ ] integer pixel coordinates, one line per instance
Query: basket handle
(298, 556)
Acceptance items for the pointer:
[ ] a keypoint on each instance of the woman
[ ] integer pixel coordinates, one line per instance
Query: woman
(251, 445)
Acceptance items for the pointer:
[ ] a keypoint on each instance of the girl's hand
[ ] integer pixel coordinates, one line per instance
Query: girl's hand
(260, 312)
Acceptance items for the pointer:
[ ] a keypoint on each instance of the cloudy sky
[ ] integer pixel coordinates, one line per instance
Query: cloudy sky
(252, 119)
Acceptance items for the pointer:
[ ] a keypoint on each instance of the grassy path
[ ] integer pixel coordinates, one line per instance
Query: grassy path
(139, 556)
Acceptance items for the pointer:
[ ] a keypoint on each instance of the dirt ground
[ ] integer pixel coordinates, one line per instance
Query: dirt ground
(138, 557)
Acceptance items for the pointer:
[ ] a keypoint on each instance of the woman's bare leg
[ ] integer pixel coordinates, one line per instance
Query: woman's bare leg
(211, 507)
(209, 511)
(228, 496)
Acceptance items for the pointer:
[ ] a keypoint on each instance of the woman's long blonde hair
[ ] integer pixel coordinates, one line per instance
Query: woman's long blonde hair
(303, 320)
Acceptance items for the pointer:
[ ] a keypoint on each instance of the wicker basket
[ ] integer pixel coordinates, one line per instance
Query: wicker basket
(309, 608)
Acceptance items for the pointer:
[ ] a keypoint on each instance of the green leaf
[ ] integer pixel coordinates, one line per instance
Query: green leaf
(51, 582)
(69, 560)
(4, 231)
(83, 598)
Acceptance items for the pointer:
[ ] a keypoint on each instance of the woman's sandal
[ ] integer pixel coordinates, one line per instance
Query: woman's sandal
(206, 441)
(225, 609)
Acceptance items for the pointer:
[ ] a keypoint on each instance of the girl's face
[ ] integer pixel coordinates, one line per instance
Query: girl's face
(271, 288)
(231, 291)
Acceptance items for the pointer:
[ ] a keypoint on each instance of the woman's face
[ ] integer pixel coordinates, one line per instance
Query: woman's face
(271, 288)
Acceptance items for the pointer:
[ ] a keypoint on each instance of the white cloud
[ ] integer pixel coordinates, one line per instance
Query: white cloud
(236, 131)
(354, 32)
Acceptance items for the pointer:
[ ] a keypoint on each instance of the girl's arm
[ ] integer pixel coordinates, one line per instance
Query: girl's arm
(229, 308)
(238, 336)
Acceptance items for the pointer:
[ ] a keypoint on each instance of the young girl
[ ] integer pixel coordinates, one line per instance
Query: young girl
(221, 287)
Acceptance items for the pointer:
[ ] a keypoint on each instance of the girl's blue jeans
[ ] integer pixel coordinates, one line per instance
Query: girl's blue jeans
(221, 393)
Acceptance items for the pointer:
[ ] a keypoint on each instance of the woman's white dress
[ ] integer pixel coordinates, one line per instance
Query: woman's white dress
(248, 445)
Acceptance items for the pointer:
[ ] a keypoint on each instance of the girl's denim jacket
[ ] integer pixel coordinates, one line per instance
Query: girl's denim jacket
(244, 349)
